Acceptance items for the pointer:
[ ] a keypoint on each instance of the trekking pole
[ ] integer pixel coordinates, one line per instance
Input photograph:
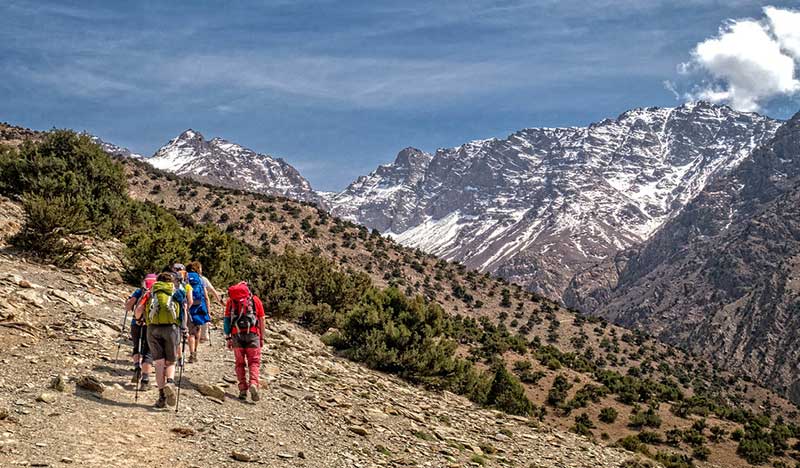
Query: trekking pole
(141, 358)
(121, 335)
(180, 376)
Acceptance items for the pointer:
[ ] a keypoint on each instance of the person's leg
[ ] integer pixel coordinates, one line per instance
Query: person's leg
(241, 372)
(254, 365)
(146, 361)
(156, 343)
(193, 340)
(171, 347)
(161, 377)
(137, 371)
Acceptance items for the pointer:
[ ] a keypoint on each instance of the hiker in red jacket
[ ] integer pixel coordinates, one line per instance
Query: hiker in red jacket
(244, 333)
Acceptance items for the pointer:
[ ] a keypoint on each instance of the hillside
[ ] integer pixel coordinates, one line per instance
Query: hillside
(65, 323)
(551, 330)
(721, 278)
(573, 368)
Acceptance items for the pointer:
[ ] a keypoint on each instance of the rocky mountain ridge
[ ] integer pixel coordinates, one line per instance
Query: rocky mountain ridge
(546, 203)
(220, 162)
(722, 277)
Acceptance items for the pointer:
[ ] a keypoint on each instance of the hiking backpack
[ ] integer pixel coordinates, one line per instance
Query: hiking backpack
(243, 310)
(198, 291)
(161, 303)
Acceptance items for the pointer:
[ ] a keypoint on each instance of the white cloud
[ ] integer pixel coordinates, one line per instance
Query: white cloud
(749, 62)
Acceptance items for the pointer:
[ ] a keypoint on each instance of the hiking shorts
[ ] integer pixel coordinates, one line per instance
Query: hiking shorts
(139, 334)
(194, 329)
(164, 341)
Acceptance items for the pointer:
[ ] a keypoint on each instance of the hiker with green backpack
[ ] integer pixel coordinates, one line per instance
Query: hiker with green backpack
(162, 310)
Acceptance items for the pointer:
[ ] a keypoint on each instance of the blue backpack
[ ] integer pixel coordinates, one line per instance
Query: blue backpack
(199, 309)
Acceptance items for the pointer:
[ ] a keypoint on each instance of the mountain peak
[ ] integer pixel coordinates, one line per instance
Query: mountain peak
(410, 155)
(221, 162)
(190, 134)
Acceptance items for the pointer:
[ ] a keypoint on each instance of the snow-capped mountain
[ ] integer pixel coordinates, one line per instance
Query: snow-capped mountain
(227, 164)
(113, 149)
(545, 203)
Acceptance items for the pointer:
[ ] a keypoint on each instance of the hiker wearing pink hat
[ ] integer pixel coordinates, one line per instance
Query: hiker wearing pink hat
(142, 359)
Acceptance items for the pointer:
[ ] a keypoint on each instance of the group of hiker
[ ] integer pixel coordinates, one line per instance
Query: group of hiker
(172, 309)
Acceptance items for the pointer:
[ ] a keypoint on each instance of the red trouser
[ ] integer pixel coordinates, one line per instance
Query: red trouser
(253, 358)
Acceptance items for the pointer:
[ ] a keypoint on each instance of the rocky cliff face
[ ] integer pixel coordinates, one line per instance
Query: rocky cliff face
(227, 164)
(546, 203)
(722, 277)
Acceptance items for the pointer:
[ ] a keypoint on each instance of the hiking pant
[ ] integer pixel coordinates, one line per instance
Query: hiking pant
(139, 332)
(247, 349)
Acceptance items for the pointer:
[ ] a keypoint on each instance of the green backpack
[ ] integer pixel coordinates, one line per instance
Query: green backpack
(162, 309)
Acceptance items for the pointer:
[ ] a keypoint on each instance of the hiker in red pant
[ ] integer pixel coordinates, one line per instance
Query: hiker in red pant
(244, 332)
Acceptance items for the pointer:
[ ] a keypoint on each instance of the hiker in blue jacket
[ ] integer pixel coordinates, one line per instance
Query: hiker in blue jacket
(199, 314)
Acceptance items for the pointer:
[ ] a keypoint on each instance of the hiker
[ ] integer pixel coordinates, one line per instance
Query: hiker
(142, 359)
(184, 291)
(244, 333)
(162, 312)
(199, 314)
(204, 332)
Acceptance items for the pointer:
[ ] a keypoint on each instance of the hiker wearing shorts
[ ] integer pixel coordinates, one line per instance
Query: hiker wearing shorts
(244, 333)
(142, 359)
(163, 313)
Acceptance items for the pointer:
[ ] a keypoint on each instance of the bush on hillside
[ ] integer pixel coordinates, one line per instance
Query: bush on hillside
(68, 186)
(507, 393)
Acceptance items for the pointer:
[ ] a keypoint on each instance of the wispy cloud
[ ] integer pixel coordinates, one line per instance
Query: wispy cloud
(748, 62)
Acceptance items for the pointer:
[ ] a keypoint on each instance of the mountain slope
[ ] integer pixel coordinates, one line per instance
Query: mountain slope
(545, 203)
(722, 277)
(314, 402)
(227, 164)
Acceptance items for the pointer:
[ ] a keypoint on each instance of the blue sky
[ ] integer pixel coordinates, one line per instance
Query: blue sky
(337, 88)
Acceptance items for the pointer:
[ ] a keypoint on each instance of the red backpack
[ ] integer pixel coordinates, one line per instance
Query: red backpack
(243, 311)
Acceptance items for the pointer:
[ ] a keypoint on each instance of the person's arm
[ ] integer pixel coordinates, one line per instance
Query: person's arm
(130, 303)
(227, 327)
(210, 287)
(139, 312)
(226, 324)
(189, 300)
(261, 320)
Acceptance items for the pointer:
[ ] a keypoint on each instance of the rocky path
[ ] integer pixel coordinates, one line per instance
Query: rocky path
(318, 410)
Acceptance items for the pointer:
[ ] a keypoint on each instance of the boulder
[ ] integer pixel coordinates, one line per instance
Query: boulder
(213, 391)
(91, 383)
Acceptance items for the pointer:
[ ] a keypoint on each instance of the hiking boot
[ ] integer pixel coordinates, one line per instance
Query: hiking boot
(161, 402)
(254, 393)
(170, 394)
(192, 358)
(144, 386)
(243, 395)
(137, 373)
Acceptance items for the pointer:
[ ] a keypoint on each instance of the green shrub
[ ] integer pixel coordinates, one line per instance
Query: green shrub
(608, 415)
(49, 223)
(69, 186)
(507, 393)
